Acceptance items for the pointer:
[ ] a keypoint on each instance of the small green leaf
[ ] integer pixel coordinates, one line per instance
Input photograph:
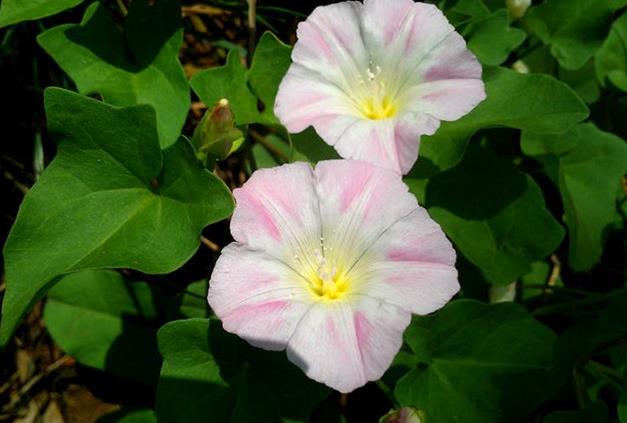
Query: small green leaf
(251, 93)
(465, 12)
(230, 82)
(521, 101)
(492, 39)
(478, 363)
(194, 300)
(583, 81)
(274, 152)
(474, 9)
(495, 215)
(594, 413)
(533, 282)
(586, 164)
(209, 375)
(106, 323)
(309, 144)
(574, 29)
(15, 11)
(131, 67)
(537, 103)
(111, 198)
(190, 385)
(611, 59)
(269, 65)
(540, 60)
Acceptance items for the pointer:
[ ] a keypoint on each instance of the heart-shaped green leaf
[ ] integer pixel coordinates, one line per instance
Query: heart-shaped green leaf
(210, 375)
(574, 29)
(611, 60)
(478, 363)
(128, 67)
(494, 214)
(111, 198)
(586, 164)
(15, 11)
(535, 102)
(492, 39)
(107, 323)
(251, 93)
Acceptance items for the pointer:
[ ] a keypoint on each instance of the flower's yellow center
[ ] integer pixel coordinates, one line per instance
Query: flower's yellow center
(325, 274)
(378, 108)
(327, 282)
(374, 100)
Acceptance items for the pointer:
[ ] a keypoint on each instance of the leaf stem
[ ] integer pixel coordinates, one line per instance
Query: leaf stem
(555, 271)
(209, 244)
(203, 9)
(122, 7)
(248, 152)
(252, 29)
(268, 146)
(387, 392)
(608, 373)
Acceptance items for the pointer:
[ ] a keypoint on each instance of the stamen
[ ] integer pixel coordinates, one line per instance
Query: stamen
(326, 280)
(375, 103)
(326, 272)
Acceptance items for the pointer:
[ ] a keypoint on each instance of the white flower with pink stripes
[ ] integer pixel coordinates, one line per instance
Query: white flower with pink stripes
(329, 264)
(372, 78)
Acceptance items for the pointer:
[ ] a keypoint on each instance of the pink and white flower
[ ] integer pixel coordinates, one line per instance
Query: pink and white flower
(330, 264)
(372, 78)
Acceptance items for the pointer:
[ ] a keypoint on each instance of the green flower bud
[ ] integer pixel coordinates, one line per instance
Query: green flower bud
(403, 415)
(520, 66)
(517, 8)
(503, 294)
(216, 135)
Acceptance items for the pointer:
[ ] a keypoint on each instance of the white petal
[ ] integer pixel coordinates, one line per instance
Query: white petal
(277, 211)
(346, 345)
(412, 265)
(447, 99)
(330, 43)
(358, 202)
(257, 296)
(305, 98)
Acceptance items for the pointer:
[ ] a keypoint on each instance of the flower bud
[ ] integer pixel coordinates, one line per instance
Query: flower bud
(503, 294)
(216, 134)
(520, 66)
(517, 8)
(403, 415)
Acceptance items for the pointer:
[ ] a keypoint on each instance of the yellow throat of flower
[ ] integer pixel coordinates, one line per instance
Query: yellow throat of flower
(327, 283)
(372, 98)
(378, 108)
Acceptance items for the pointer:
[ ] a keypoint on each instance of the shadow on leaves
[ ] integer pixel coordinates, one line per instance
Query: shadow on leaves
(135, 48)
